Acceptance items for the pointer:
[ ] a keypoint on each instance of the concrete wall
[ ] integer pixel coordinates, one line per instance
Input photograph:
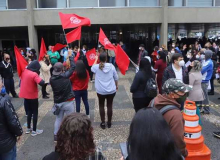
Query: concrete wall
(193, 15)
(102, 15)
(13, 18)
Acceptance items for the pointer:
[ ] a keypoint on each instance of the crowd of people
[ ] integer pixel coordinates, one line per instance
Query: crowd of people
(164, 80)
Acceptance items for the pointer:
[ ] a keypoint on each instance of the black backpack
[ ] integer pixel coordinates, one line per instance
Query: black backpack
(151, 88)
(165, 108)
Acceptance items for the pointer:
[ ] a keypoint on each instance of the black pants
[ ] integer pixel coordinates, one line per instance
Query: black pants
(102, 98)
(44, 90)
(32, 106)
(140, 103)
(10, 86)
(212, 84)
(90, 72)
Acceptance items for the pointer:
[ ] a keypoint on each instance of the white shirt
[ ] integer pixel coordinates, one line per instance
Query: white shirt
(178, 73)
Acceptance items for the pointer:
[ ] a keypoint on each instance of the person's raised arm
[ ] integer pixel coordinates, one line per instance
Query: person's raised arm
(68, 73)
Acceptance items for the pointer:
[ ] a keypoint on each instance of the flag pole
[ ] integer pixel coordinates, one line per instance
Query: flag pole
(135, 65)
(79, 44)
(65, 37)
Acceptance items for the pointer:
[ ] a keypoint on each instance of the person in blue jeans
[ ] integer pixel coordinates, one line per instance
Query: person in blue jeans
(10, 128)
(80, 80)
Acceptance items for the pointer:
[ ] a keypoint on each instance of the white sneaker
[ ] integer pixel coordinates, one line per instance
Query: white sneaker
(28, 131)
(38, 131)
(92, 81)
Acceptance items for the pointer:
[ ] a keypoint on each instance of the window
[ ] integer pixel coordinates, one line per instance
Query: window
(83, 3)
(112, 3)
(141, 3)
(3, 4)
(51, 3)
(15, 4)
(200, 3)
(217, 2)
(176, 3)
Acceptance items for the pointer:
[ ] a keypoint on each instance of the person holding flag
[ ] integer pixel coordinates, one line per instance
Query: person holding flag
(106, 84)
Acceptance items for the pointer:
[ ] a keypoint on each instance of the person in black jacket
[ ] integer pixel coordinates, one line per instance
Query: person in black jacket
(6, 71)
(62, 91)
(10, 128)
(140, 99)
(176, 70)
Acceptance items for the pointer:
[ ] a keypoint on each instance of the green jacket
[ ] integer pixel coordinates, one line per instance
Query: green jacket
(54, 56)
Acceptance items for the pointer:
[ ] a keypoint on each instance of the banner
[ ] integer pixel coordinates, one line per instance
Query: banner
(104, 41)
(73, 21)
(122, 59)
(21, 62)
(43, 50)
(91, 55)
(58, 47)
(73, 35)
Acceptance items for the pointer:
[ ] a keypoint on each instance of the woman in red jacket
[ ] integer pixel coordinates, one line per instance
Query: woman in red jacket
(80, 80)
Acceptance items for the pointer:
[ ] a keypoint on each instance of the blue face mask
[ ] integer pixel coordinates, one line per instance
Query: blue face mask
(3, 91)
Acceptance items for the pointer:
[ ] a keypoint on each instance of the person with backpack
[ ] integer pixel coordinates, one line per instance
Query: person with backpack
(140, 98)
(169, 106)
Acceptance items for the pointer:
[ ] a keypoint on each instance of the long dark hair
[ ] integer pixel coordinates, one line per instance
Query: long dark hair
(150, 137)
(75, 139)
(102, 58)
(81, 70)
(145, 66)
(162, 55)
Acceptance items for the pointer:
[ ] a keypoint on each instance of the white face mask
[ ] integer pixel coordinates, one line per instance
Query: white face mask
(140, 48)
(173, 46)
(197, 56)
(181, 63)
(189, 56)
(203, 56)
(172, 52)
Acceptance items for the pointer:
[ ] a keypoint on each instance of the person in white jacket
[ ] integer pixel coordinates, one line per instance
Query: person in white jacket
(45, 74)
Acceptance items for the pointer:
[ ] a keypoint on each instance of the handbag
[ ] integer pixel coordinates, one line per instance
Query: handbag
(56, 109)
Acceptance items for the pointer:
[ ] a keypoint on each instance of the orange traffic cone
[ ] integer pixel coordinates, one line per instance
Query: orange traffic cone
(197, 150)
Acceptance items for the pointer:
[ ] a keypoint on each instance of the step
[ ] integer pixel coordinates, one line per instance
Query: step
(204, 154)
(194, 144)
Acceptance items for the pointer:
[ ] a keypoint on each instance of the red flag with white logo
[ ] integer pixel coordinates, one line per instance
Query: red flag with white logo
(91, 55)
(104, 41)
(73, 21)
(58, 47)
(73, 35)
(43, 50)
(122, 59)
(20, 61)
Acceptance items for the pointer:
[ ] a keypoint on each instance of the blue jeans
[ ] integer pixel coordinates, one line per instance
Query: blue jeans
(11, 155)
(84, 95)
(112, 60)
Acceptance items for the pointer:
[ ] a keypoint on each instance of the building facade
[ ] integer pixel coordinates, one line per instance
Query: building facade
(24, 22)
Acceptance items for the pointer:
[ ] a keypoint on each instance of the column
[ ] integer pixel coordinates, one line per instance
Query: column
(32, 31)
(164, 24)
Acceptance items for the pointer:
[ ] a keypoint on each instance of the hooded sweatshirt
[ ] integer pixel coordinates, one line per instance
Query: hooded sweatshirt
(174, 119)
(29, 81)
(207, 67)
(105, 79)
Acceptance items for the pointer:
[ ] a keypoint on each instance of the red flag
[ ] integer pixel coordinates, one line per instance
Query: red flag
(43, 50)
(73, 35)
(21, 62)
(121, 59)
(91, 55)
(73, 21)
(104, 41)
(58, 47)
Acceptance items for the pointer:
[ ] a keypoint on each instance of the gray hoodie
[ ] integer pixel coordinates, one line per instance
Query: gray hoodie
(105, 79)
